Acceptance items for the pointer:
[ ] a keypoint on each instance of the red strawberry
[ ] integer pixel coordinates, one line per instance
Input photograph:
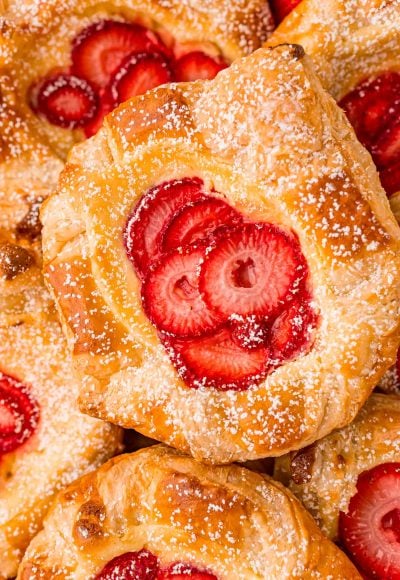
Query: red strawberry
(197, 65)
(217, 361)
(98, 51)
(66, 101)
(253, 270)
(281, 8)
(139, 73)
(292, 330)
(197, 221)
(106, 105)
(131, 566)
(370, 530)
(187, 572)
(250, 333)
(145, 227)
(372, 105)
(386, 150)
(171, 296)
(390, 178)
(19, 414)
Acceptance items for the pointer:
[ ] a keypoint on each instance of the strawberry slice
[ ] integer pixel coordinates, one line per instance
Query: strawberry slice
(145, 227)
(386, 150)
(253, 270)
(171, 297)
(106, 105)
(217, 361)
(196, 222)
(19, 414)
(197, 65)
(182, 572)
(131, 566)
(66, 101)
(139, 73)
(292, 331)
(99, 50)
(250, 333)
(390, 178)
(281, 8)
(370, 530)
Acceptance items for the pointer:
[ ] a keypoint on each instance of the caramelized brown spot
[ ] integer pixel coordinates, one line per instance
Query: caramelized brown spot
(297, 49)
(301, 465)
(14, 260)
(89, 522)
(30, 227)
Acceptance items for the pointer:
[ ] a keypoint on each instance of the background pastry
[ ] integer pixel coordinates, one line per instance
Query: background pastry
(72, 62)
(213, 291)
(45, 442)
(159, 511)
(350, 481)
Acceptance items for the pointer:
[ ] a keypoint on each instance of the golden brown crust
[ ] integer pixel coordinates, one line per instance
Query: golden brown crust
(33, 350)
(285, 155)
(38, 38)
(222, 519)
(335, 462)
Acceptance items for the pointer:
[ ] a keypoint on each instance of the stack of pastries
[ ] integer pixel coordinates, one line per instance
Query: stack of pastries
(199, 289)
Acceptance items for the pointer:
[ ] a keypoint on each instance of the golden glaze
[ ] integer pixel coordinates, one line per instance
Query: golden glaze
(227, 520)
(38, 38)
(334, 463)
(266, 135)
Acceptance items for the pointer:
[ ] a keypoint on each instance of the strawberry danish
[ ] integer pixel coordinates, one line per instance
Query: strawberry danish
(71, 63)
(350, 483)
(215, 294)
(45, 442)
(159, 515)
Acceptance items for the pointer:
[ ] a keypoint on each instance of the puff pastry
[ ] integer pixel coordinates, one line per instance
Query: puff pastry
(71, 62)
(265, 144)
(224, 522)
(45, 442)
(324, 476)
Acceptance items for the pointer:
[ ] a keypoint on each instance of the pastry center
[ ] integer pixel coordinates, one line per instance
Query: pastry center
(110, 62)
(229, 297)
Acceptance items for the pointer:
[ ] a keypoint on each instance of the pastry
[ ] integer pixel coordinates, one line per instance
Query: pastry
(45, 442)
(157, 514)
(215, 295)
(350, 482)
(355, 48)
(72, 62)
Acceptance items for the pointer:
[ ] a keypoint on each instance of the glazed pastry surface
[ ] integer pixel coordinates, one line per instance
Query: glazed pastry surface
(39, 38)
(267, 136)
(54, 443)
(221, 520)
(324, 475)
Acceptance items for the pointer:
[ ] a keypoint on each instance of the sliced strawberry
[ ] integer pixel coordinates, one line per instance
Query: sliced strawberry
(182, 572)
(197, 65)
(19, 414)
(390, 178)
(146, 225)
(386, 150)
(370, 530)
(198, 221)
(106, 105)
(139, 73)
(281, 8)
(99, 49)
(131, 566)
(372, 105)
(171, 296)
(66, 101)
(217, 361)
(253, 270)
(292, 331)
(250, 333)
